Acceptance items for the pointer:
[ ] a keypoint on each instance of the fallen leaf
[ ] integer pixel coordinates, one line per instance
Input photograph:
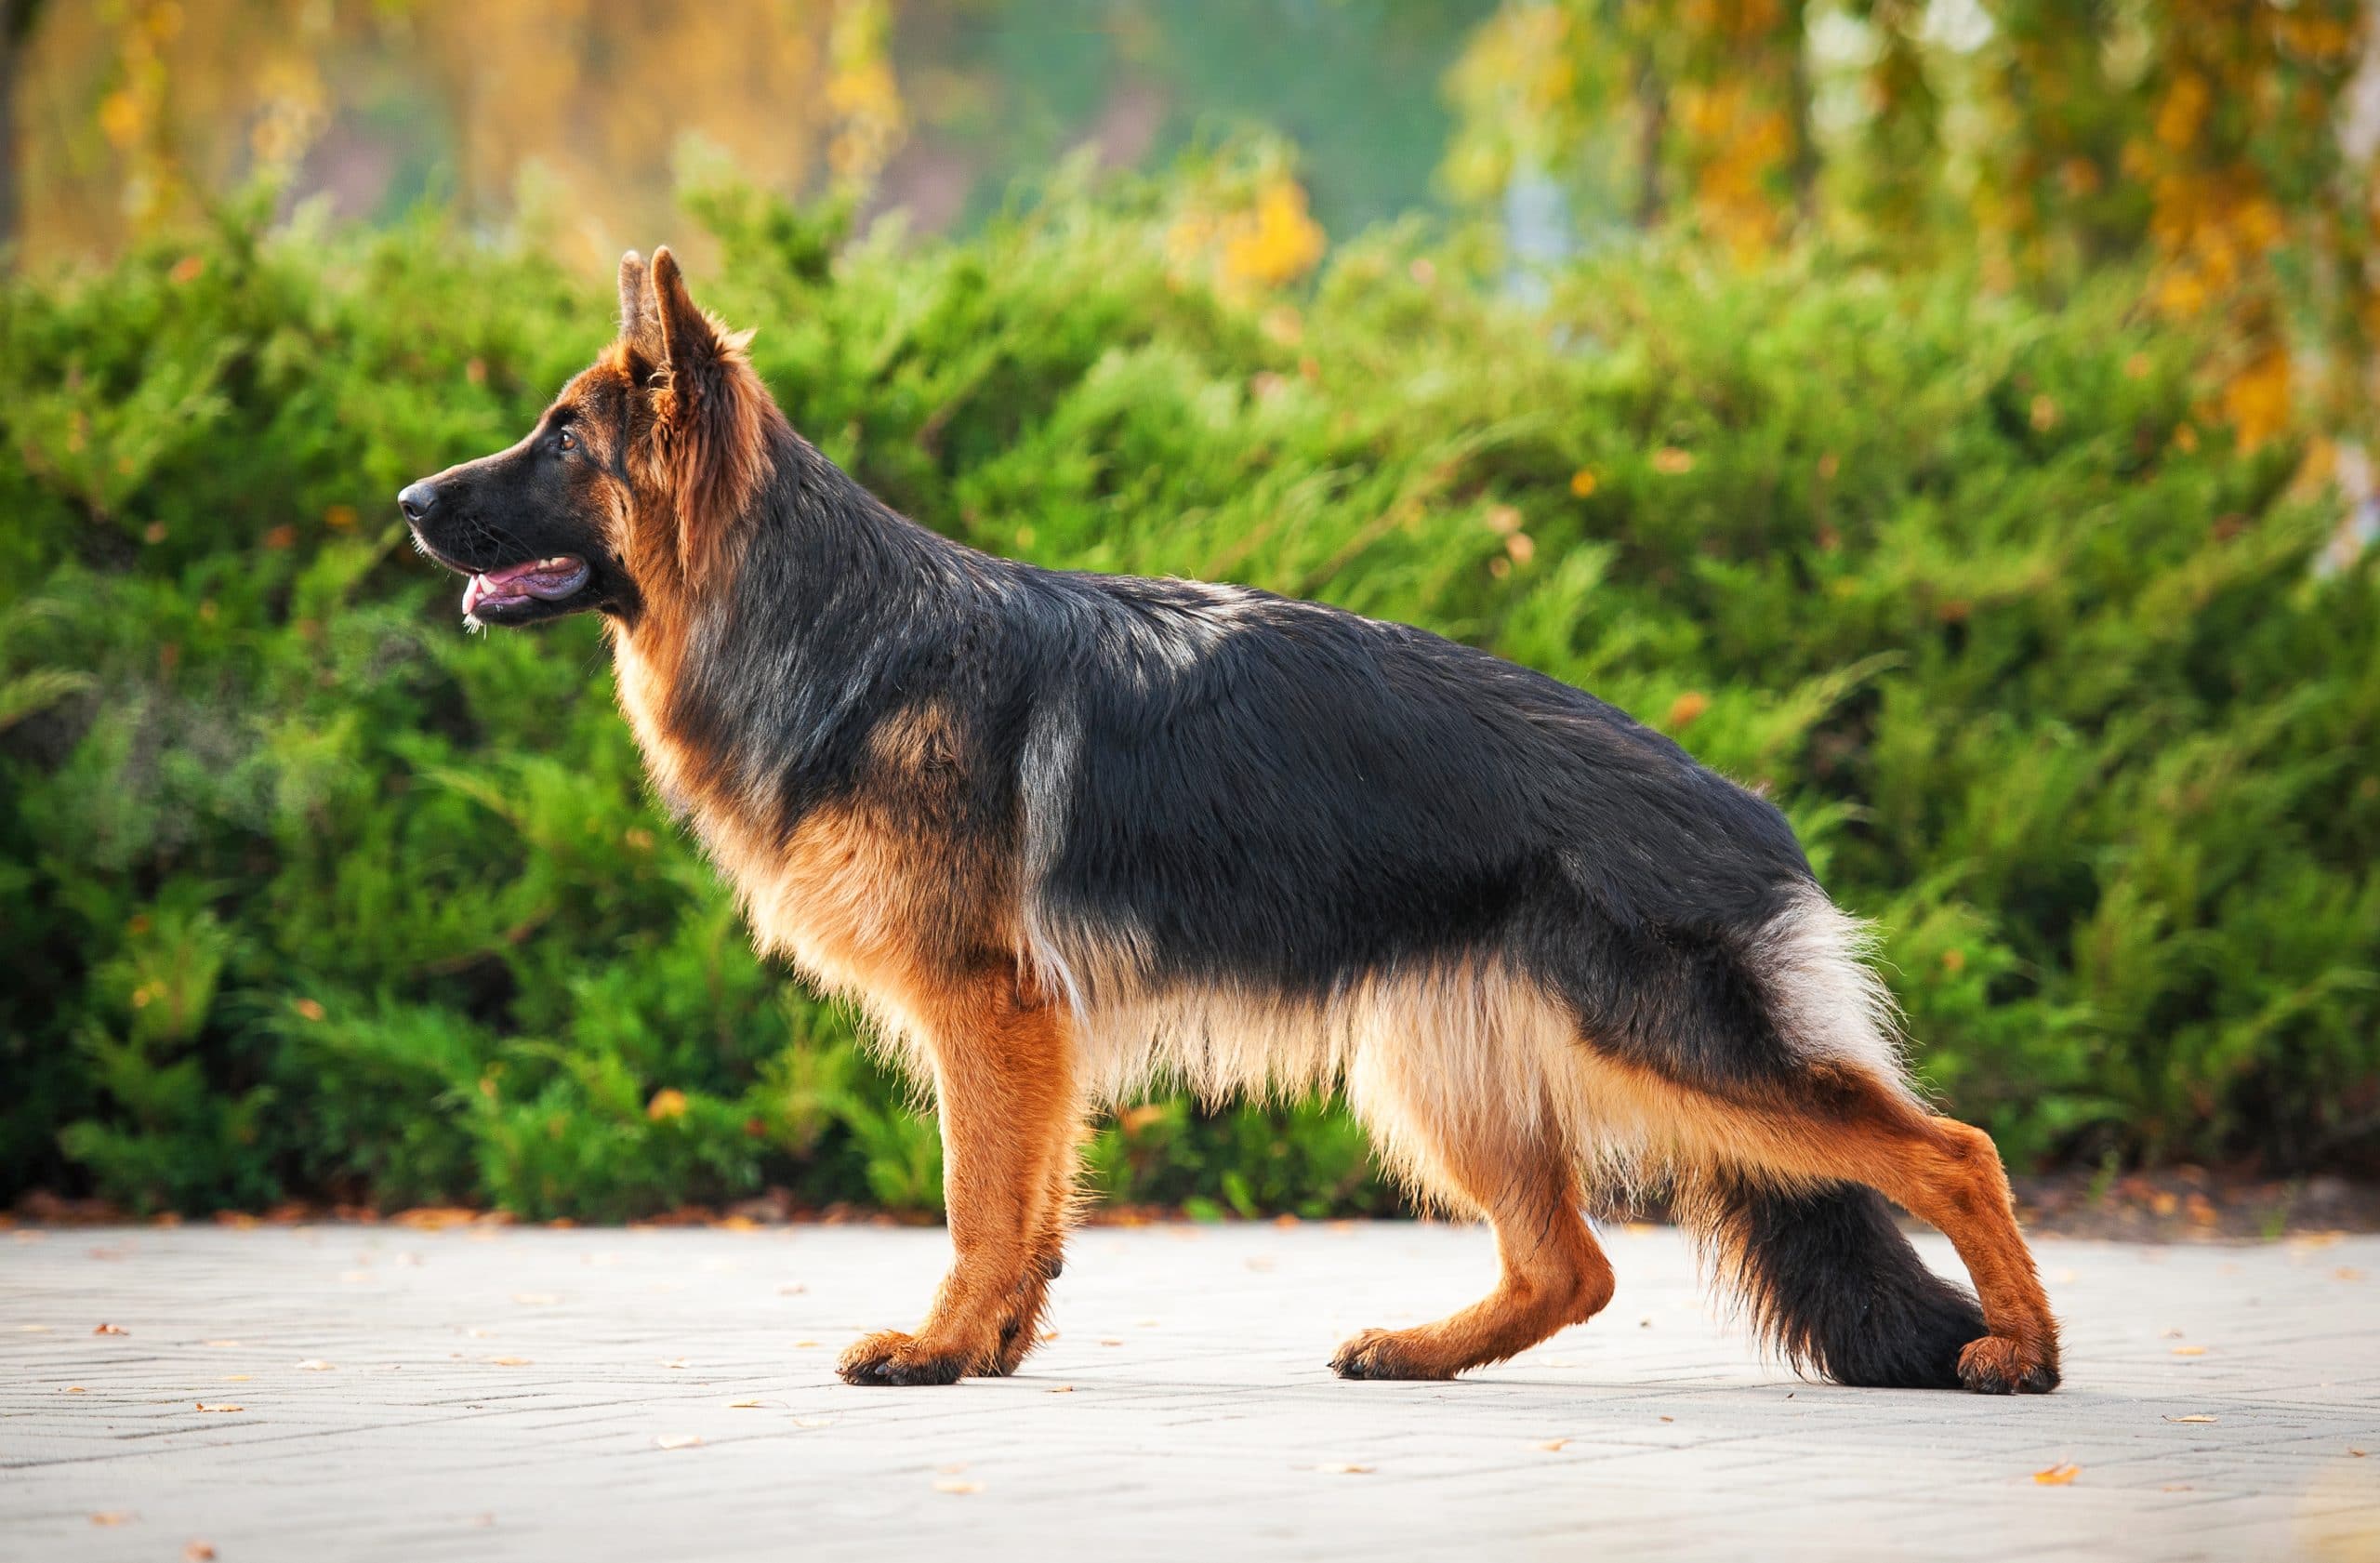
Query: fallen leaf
(205, 1407)
(198, 1552)
(315, 1365)
(112, 1516)
(799, 1345)
(1110, 1341)
(1669, 1419)
(2347, 1272)
(2177, 1487)
(673, 1361)
(111, 1330)
(794, 1290)
(510, 1361)
(1064, 1390)
(743, 1404)
(1342, 1470)
(2190, 1351)
(237, 1378)
(2190, 1419)
(72, 1389)
(2359, 1454)
(677, 1440)
(958, 1486)
(1554, 1445)
(2058, 1476)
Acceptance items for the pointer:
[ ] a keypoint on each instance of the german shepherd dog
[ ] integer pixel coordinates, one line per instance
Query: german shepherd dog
(1058, 835)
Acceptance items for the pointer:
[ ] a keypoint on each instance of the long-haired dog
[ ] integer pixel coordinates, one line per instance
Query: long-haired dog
(1061, 834)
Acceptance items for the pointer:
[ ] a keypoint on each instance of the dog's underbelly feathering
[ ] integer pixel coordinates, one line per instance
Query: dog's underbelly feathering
(1063, 837)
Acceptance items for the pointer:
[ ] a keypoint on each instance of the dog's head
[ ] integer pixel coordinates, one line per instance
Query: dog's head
(631, 485)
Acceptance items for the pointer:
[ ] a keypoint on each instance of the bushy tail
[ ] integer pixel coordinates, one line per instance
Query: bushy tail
(1831, 1284)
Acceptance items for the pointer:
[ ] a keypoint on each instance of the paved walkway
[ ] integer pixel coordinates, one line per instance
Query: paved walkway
(334, 1393)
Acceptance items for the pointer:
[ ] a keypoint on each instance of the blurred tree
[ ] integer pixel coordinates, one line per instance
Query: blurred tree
(376, 102)
(1708, 99)
(16, 17)
(132, 110)
(2050, 136)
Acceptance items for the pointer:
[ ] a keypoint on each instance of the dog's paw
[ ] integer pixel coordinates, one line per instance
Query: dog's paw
(1996, 1365)
(892, 1356)
(1387, 1354)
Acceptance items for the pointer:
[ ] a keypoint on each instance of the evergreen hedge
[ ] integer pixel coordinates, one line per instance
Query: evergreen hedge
(304, 892)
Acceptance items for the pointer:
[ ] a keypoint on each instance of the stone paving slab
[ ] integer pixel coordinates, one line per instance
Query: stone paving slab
(501, 1394)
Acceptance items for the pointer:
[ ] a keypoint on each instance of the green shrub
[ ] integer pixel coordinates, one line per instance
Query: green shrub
(304, 892)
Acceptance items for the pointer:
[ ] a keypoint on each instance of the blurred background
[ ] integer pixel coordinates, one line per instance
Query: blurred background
(1949, 415)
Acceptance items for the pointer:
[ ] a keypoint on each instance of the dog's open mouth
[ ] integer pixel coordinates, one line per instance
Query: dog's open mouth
(548, 580)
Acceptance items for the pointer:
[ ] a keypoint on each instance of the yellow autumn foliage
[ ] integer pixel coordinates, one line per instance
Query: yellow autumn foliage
(2198, 140)
(1247, 236)
(131, 108)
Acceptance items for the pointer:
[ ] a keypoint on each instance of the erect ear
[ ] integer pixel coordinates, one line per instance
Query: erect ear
(636, 302)
(690, 340)
(713, 414)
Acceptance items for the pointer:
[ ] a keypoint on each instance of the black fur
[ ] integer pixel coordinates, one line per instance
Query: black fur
(1277, 794)
(1244, 792)
(1833, 1286)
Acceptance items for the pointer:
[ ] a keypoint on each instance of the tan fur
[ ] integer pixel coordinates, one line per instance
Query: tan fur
(869, 908)
(1473, 1081)
(1478, 1089)
(914, 741)
(1001, 1076)
(713, 412)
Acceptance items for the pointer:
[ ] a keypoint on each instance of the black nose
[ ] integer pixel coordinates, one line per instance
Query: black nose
(416, 499)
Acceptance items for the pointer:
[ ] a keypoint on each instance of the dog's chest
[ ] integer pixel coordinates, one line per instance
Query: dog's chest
(836, 893)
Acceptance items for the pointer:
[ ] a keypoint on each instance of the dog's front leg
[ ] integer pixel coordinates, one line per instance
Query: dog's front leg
(1004, 1083)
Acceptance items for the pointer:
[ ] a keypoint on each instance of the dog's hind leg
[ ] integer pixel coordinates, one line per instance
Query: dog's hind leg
(1828, 1277)
(1520, 1171)
(1003, 1081)
(1947, 1174)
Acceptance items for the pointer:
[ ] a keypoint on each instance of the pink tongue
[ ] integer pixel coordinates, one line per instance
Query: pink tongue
(549, 578)
(540, 578)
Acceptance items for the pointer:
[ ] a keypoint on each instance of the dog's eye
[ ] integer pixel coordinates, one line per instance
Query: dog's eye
(567, 441)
